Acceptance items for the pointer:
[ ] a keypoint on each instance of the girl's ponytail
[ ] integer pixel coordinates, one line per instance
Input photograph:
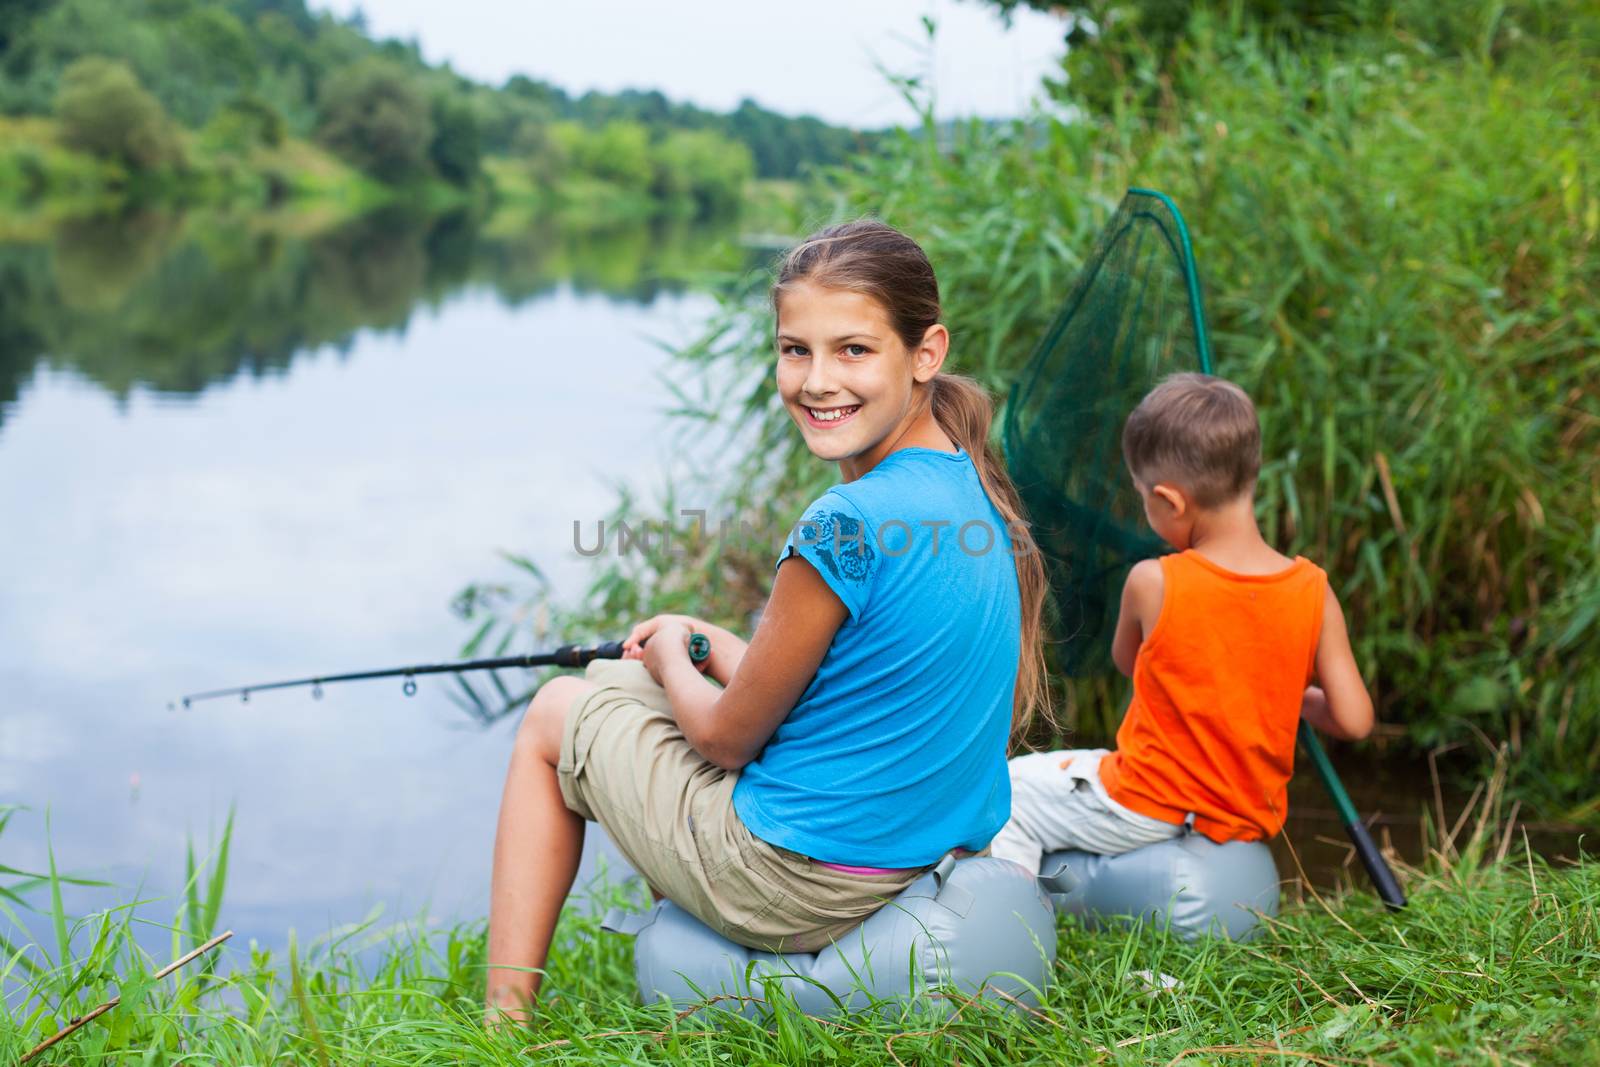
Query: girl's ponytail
(964, 411)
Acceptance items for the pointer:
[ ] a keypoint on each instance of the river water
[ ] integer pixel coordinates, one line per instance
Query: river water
(232, 453)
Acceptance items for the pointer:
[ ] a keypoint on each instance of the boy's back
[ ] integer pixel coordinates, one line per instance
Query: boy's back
(1222, 641)
(1217, 688)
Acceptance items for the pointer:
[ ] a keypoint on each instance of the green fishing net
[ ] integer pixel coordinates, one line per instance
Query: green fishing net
(1133, 316)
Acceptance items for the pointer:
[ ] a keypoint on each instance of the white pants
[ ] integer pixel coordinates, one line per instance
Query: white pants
(1057, 802)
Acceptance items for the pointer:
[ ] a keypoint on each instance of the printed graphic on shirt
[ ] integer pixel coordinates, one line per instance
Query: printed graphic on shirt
(839, 542)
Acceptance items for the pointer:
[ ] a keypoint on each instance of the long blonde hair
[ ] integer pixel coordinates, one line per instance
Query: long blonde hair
(873, 258)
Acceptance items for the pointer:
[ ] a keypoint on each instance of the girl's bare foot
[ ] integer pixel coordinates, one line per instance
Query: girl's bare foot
(507, 1008)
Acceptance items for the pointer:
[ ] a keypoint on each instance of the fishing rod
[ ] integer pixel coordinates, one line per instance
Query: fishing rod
(565, 656)
(1383, 879)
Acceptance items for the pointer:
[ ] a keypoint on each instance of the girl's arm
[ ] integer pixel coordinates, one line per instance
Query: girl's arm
(730, 726)
(727, 652)
(1141, 605)
(1342, 707)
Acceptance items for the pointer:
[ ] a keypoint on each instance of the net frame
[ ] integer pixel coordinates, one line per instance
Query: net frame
(1135, 306)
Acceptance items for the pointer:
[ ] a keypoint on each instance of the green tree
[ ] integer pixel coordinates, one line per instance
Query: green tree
(102, 109)
(374, 115)
(206, 56)
(618, 152)
(15, 15)
(456, 150)
(245, 122)
(545, 155)
(702, 170)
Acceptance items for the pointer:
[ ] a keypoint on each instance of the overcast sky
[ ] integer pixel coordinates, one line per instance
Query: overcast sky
(807, 57)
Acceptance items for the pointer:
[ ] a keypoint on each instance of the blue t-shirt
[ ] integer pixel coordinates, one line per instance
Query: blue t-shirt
(896, 751)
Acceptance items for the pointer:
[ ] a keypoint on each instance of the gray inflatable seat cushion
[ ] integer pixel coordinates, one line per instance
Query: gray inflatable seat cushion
(977, 924)
(1189, 884)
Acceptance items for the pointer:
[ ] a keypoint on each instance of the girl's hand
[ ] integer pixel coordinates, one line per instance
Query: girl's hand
(633, 644)
(668, 644)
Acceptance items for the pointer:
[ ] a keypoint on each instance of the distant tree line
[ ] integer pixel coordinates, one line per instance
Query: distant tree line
(126, 78)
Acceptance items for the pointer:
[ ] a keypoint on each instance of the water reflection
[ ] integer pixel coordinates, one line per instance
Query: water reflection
(176, 302)
(240, 449)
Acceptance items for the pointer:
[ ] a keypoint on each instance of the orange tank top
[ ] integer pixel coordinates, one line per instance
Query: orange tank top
(1217, 686)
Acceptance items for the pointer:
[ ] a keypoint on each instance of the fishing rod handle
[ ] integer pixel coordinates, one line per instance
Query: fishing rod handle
(1383, 879)
(579, 656)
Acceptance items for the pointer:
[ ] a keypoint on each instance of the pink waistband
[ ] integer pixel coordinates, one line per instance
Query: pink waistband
(961, 853)
(864, 870)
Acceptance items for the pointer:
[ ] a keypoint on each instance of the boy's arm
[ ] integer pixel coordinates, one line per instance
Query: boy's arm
(1141, 605)
(1345, 708)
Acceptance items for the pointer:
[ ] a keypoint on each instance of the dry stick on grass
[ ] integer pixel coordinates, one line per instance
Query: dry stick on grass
(1466, 812)
(1305, 880)
(1349, 982)
(1103, 1050)
(1505, 840)
(965, 1002)
(1438, 793)
(1329, 997)
(114, 1001)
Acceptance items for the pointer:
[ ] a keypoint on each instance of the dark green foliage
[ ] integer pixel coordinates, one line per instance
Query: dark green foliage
(102, 109)
(541, 152)
(784, 146)
(702, 171)
(245, 122)
(455, 150)
(15, 16)
(374, 115)
(618, 152)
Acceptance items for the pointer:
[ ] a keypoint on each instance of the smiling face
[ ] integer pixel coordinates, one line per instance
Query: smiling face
(846, 378)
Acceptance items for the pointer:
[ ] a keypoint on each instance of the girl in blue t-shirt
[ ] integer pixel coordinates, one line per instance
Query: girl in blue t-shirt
(861, 734)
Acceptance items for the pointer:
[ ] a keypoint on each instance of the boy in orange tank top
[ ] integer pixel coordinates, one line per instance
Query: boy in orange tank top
(1228, 642)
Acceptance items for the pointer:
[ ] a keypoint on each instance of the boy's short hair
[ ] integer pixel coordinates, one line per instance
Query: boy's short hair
(1197, 432)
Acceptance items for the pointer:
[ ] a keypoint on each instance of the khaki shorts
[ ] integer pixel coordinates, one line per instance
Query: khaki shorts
(626, 765)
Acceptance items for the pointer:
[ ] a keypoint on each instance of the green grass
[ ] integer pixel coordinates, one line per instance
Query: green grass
(1497, 959)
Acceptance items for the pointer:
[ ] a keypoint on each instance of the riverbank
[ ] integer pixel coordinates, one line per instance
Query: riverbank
(40, 177)
(1497, 959)
(42, 181)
